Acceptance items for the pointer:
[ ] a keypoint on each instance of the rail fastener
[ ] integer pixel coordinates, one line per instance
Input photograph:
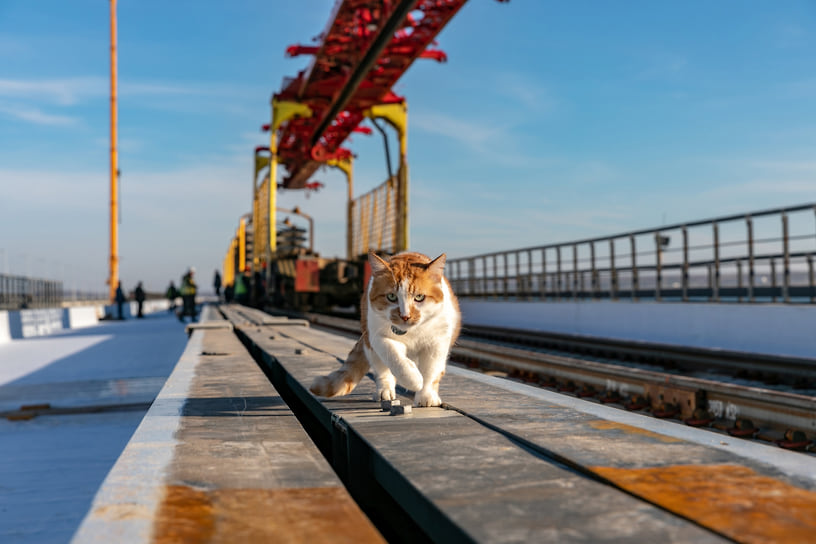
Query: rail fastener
(743, 428)
(636, 402)
(794, 440)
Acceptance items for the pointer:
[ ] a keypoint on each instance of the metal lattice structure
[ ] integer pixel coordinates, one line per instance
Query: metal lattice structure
(374, 220)
(365, 48)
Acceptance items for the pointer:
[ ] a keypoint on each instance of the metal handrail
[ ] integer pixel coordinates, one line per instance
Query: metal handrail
(593, 268)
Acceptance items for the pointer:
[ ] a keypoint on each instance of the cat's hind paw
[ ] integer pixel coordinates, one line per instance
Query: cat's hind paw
(427, 398)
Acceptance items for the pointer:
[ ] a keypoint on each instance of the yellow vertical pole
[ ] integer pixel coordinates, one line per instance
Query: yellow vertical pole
(282, 111)
(273, 186)
(346, 165)
(242, 246)
(113, 278)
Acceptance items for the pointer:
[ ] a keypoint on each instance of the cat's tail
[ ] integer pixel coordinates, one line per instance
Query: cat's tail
(343, 380)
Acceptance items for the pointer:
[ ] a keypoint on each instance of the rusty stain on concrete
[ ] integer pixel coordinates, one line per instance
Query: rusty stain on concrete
(286, 516)
(605, 425)
(733, 500)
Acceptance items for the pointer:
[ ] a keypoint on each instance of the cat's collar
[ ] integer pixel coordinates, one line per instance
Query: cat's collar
(397, 331)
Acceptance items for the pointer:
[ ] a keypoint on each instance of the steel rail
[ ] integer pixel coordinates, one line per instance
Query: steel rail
(772, 413)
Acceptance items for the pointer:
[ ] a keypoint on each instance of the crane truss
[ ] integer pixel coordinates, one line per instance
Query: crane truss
(364, 50)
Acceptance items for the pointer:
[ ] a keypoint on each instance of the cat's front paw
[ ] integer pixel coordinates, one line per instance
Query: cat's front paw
(385, 393)
(427, 398)
(411, 378)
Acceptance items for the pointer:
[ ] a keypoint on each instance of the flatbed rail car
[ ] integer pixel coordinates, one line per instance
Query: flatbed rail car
(504, 462)
(294, 277)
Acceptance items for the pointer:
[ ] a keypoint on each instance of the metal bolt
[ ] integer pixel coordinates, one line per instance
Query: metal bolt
(400, 410)
(386, 405)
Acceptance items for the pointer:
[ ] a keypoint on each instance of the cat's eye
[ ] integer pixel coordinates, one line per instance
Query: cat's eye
(392, 297)
(419, 298)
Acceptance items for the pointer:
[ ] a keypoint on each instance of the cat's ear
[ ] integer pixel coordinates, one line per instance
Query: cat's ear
(377, 264)
(437, 266)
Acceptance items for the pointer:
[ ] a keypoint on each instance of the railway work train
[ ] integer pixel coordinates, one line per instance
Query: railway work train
(361, 54)
(295, 277)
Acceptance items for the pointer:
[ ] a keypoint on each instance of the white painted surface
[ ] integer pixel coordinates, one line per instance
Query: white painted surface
(82, 316)
(19, 359)
(769, 328)
(41, 322)
(5, 333)
(18, 324)
(138, 473)
(51, 467)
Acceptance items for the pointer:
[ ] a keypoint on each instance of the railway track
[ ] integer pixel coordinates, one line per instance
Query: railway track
(651, 378)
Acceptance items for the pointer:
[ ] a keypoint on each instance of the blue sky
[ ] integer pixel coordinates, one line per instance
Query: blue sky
(551, 121)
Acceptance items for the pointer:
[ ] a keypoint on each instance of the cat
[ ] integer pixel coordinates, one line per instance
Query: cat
(410, 319)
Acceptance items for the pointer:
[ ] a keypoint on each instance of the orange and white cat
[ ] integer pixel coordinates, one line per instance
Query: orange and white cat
(410, 319)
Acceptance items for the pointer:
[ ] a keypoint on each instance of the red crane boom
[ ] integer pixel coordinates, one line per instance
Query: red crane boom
(364, 50)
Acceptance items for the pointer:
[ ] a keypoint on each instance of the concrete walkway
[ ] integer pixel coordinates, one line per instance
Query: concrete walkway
(70, 403)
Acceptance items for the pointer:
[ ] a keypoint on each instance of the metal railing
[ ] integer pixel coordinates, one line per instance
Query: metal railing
(18, 292)
(764, 256)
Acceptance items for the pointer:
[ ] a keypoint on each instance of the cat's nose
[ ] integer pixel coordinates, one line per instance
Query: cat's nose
(405, 317)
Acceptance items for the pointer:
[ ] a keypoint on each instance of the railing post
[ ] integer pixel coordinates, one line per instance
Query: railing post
(505, 294)
(786, 259)
(543, 274)
(558, 273)
(658, 264)
(635, 285)
(485, 292)
(574, 272)
(751, 272)
(529, 274)
(773, 279)
(685, 277)
(739, 281)
(613, 273)
(716, 287)
(519, 279)
(811, 279)
(471, 273)
(495, 276)
(594, 270)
